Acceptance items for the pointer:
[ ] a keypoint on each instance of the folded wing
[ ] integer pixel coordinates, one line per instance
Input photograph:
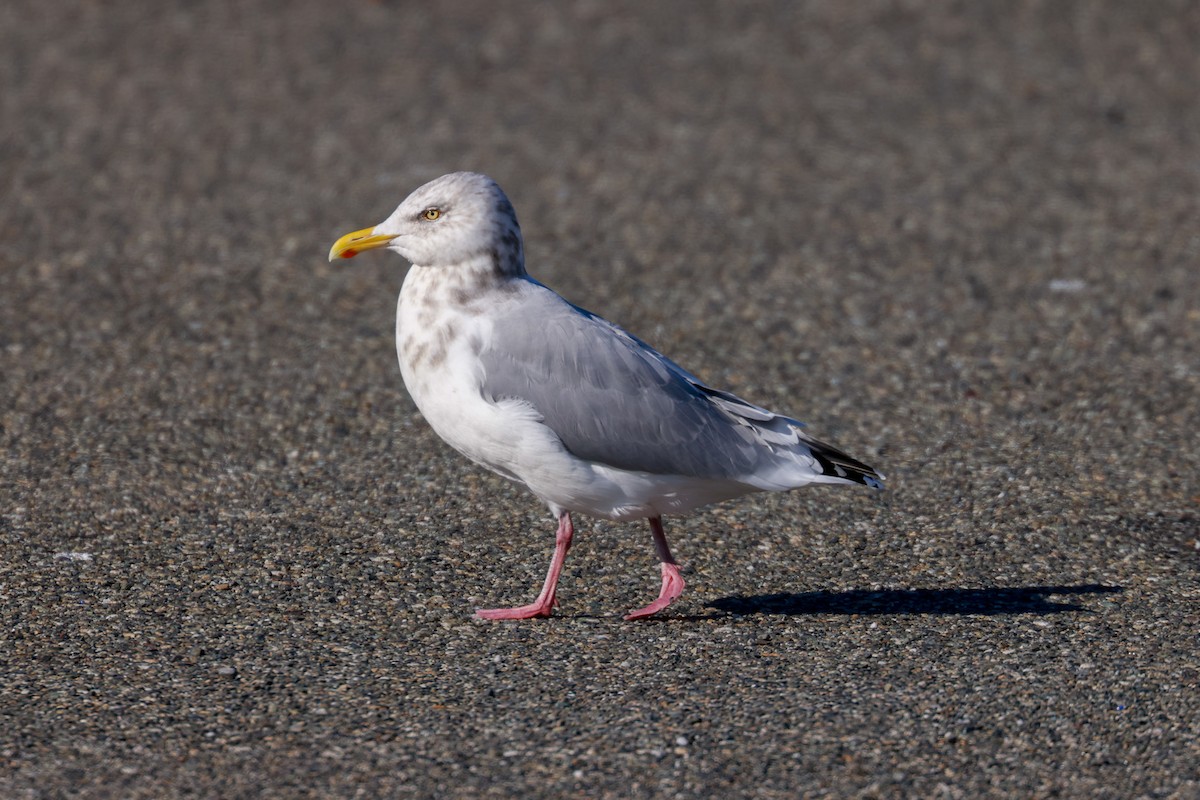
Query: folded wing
(613, 399)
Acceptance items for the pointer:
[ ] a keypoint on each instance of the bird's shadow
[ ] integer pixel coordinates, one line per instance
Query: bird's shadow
(990, 601)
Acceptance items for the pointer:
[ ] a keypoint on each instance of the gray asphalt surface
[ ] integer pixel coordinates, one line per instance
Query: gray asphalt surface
(959, 239)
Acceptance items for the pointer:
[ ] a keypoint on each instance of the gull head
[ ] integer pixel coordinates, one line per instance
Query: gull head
(460, 218)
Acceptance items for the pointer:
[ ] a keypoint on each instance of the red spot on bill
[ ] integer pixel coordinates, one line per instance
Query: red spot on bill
(349, 253)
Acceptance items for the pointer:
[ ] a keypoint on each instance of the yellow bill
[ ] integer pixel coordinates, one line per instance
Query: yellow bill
(354, 243)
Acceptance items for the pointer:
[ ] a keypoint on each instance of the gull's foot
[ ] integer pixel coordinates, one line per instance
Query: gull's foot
(521, 612)
(672, 587)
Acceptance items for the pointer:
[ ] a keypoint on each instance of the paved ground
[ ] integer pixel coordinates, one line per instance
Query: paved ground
(960, 239)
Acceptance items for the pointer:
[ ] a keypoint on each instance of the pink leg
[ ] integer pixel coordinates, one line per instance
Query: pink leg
(672, 583)
(545, 601)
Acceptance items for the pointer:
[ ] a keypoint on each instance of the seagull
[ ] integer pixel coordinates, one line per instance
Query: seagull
(588, 417)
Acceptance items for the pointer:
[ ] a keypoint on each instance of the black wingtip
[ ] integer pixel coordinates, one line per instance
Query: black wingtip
(835, 463)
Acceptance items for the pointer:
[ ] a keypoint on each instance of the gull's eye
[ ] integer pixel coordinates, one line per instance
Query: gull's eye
(431, 214)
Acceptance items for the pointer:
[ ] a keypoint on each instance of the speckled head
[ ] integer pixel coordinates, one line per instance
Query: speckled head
(458, 219)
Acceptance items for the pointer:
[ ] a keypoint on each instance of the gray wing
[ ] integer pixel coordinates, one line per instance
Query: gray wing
(613, 399)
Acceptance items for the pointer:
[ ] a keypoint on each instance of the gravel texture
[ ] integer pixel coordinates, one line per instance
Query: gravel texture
(961, 240)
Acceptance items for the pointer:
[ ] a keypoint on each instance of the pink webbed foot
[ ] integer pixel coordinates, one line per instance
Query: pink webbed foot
(546, 600)
(534, 609)
(672, 587)
(672, 583)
